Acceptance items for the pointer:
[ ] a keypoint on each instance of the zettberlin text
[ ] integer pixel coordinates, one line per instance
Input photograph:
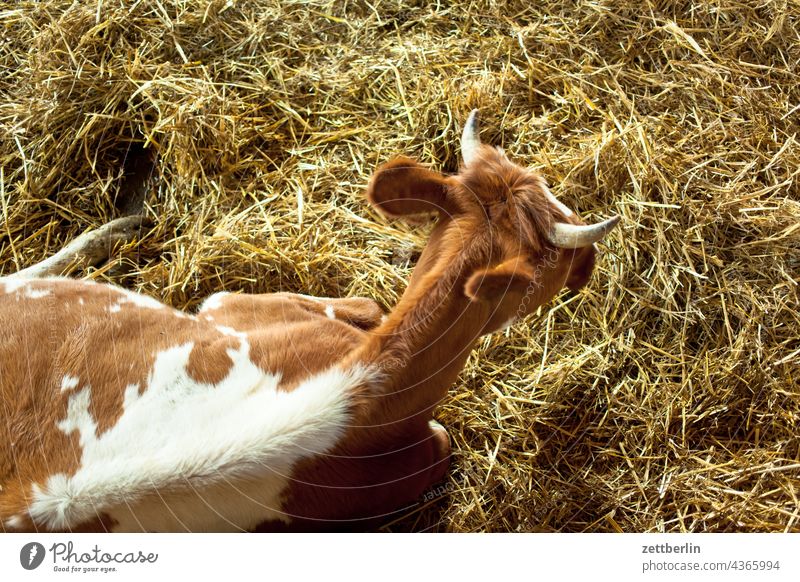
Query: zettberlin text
(671, 549)
(65, 553)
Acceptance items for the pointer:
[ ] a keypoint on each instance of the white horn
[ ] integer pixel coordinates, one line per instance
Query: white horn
(572, 236)
(470, 140)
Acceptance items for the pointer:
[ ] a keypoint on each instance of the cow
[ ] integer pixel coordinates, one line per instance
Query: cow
(269, 412)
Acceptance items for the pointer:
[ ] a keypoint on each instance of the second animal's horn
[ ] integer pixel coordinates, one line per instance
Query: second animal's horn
(470, 138)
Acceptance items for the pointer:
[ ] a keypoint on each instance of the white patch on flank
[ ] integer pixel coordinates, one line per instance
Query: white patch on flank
(311, 297)
(330, 312)
(15, 521)
(131, 396)
(196, 456)
(213, 302)
(69, 382)
(555, 201)
(79, 418)
(11, 284)
(80, 300)
(225, 330)
(132, 298)
(138, 299)
(37, 293)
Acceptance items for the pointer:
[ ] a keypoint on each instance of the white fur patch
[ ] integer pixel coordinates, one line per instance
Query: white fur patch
(225, 330)
(14, 522)
(330, 312)
(187, 455)
(37, 293)
(69, 382)
(131, 395)
(11, 284)
(317, 299)
(78, 417)
(131, 298)
(213, 302)
(138, 299)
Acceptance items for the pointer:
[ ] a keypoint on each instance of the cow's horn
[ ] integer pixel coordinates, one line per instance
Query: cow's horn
(572, 236)
(470, 140)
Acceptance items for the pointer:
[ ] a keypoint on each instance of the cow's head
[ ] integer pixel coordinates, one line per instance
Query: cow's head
(515, 244)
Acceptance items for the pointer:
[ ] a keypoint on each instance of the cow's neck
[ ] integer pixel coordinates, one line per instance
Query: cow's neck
(424, 343)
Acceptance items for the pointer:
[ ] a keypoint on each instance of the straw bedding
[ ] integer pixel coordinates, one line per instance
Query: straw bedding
(665, 396)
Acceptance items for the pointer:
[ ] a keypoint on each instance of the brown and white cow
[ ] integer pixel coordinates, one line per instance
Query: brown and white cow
(274, 411)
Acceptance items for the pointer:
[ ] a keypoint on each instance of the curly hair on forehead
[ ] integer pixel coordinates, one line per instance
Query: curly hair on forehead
(511, 196)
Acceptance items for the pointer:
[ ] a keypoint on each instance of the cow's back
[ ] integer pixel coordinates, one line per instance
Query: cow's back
(92, 375)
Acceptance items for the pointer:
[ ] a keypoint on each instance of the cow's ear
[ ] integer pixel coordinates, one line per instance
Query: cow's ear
(403, 187)
(512, 276)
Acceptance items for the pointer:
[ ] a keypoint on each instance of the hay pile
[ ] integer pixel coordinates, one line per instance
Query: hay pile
(663, 397)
